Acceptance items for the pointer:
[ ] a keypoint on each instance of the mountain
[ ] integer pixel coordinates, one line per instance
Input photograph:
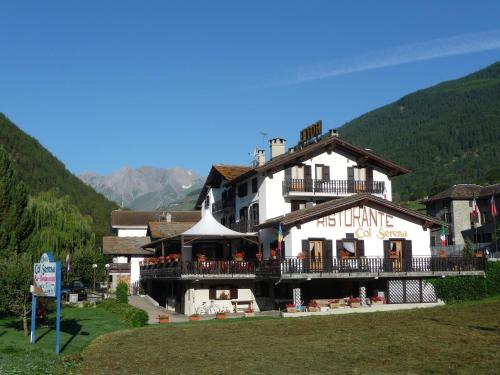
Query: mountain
(42, 171)
(146, 188)
(446, 134)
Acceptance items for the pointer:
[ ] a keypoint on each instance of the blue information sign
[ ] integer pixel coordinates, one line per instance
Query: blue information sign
(46, 283)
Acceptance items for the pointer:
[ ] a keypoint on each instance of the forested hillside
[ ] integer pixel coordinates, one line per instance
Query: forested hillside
(447, 134)
(41, 171)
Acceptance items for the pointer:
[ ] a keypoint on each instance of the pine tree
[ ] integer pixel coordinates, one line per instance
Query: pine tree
(15, 222)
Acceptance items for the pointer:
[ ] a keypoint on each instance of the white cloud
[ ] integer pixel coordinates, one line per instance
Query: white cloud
(431, 49)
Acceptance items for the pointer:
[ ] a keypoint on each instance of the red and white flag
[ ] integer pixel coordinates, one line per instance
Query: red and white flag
(493, 206)
(475, 209)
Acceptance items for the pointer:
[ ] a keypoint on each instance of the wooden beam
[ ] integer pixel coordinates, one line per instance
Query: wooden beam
(362, 160)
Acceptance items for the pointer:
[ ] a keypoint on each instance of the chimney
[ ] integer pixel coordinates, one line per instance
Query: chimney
(333, 133)
(260, 158)
(277, 147)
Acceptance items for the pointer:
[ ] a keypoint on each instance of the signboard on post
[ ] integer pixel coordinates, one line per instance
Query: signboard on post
(46, 283)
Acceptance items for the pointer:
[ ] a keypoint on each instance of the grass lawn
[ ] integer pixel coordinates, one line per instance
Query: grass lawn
(79, 326)
(455, 339)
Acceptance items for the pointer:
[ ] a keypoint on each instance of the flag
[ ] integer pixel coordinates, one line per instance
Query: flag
(280, 238)
(493, 206)
(67, 263)
(475, 209)
(443, 236)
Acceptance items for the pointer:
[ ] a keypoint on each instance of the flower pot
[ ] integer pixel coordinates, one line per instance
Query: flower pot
(334, 305)
(291, 310)
(355, 304)
(220, 316)
(194, 318)
(378, 302)
(249, 314)
(314, 309)
(163, 319)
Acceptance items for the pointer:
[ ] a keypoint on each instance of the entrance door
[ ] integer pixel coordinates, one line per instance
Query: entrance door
(396, 254)
(316, 255)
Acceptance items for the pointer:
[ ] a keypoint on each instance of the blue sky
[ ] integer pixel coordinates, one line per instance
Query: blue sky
(191, 83)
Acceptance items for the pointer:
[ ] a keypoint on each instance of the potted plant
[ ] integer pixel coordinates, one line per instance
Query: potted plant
(377, 300)
(221, 314)
(194, 317)
(334, 304)
(355, 302)
(272, 254)
(163, 319)
(249, 313)
(290, 308)
(301, 255)
(313, 306)
(224, 296)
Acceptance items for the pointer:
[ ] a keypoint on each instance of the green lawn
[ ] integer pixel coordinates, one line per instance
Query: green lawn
(455, 339)
(79, 326)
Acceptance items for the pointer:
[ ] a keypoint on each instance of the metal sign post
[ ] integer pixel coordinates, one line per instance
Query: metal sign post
(46, 283)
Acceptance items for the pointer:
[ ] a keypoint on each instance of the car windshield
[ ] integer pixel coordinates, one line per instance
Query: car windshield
(77, 284)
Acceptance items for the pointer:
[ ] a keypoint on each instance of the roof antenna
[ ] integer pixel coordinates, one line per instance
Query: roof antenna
(264, 139)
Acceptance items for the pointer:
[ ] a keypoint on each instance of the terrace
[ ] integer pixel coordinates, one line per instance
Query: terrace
(305, 187)
(293, 268)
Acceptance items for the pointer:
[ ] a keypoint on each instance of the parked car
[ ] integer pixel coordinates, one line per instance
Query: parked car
(75, 287)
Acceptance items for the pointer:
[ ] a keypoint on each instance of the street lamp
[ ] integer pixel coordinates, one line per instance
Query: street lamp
(94, 266)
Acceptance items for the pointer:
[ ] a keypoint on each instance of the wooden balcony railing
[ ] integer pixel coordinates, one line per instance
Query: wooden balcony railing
(119, 268)
(371, 265)
(290, 266)
(332, 186)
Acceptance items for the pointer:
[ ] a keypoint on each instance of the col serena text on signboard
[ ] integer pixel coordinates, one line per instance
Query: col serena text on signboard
(314, 130)
(44, 278)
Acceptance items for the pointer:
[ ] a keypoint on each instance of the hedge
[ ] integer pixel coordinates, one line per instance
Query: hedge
(132, 316)
(464, 288)
(122, 292)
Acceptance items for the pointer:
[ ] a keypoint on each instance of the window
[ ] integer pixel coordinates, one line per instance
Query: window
(255, 188)
(298, 172)
(254, 214)
(243, 213)
(207, 202)
(348, 248)
(242, 190)
(319, 171)
(297, 205)
(223, 292)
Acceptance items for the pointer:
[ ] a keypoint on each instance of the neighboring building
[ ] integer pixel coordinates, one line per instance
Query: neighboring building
(454, 207)
(134, 229)
(341, 234)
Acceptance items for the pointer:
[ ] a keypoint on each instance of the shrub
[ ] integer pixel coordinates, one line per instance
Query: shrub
(463, 288)
(132, 316)
(122, 292)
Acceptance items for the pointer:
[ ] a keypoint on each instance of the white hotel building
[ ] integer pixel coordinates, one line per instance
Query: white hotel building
(342, 235)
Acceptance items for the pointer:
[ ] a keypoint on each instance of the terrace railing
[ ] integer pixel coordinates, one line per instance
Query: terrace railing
(335, 187)
(276, 268)
(369, 265)
(222, 205)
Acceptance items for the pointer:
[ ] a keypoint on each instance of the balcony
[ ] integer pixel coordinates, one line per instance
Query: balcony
(222, 205)
(293, 268)
(220, 269)
(243, 226)
(301, 187)
(119, 268)
(371, 267)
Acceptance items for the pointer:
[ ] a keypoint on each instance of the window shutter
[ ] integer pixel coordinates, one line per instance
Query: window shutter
(326, 173)
(288, 174)
(307, 178)
(369, 174)
(387, 248)
(328, 250)
(360, 248)
(295, 205)
(305, 247)
(233, 293)
(340, 247)
(408, 255)
(212, 293)
(283, 252)
(350, 173)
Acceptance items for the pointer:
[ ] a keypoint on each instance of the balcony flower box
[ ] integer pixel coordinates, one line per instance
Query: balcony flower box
(163, 319)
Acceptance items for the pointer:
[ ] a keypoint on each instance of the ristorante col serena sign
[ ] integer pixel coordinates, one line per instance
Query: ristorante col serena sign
(44, 277)
(363, 220)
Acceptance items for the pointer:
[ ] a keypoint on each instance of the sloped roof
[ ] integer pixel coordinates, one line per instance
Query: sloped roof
(487, 191)
(142, 218)
(325, 144)
(125, 245)
(161, 229)
(230, 172)
(457, 192)
(327, 208)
